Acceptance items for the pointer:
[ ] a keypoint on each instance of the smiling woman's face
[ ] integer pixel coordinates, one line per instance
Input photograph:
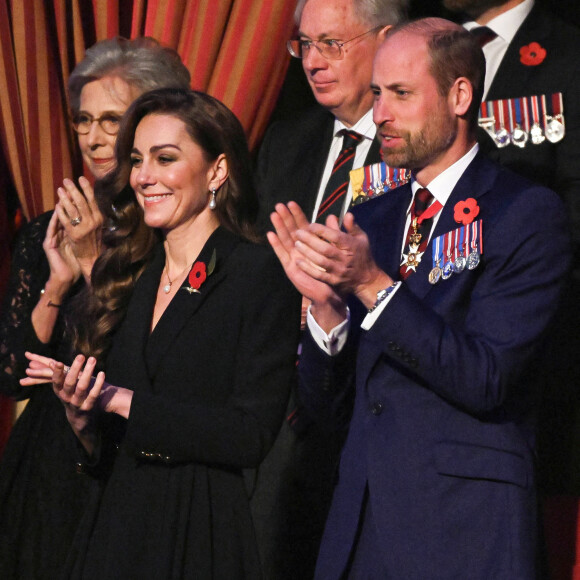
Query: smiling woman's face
(170, 174)
(109, 96)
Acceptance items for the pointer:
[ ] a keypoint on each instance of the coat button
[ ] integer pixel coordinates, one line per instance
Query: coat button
(377, 408)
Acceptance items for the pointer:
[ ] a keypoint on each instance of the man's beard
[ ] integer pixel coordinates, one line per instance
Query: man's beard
(422, 147)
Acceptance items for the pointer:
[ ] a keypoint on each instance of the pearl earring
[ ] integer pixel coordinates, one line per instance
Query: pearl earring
(212, 202)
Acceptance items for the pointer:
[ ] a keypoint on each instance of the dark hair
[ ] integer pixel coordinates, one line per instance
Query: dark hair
(128, 242)
(454, 53)
(142, 63)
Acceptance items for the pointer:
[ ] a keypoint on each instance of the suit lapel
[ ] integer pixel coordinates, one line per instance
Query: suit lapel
(134, 332)
(314, 146)
(512, 77)
(185, 304)
(475, 181)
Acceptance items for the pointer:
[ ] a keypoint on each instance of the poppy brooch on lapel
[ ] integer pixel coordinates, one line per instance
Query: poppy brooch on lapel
(532, 54)
(199, 273)
(466, 211)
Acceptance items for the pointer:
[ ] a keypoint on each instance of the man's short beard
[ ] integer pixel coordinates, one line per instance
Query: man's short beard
(421, 148)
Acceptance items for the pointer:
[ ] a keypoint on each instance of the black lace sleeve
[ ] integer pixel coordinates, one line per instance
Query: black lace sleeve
(28, 275)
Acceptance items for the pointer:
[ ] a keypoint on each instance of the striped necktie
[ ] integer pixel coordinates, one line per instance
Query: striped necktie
(337, 186)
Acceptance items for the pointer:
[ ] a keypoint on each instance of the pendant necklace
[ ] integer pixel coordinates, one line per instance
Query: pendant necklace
(167, 287)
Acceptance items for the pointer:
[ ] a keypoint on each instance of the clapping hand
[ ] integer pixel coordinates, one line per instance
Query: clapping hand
(64, 267)
(289, 221)
(82, 221)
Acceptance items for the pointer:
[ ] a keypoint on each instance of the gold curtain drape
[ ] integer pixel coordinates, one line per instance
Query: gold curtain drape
(234, 49)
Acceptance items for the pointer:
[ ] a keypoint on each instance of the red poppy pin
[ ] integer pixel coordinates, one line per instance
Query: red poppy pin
(198, 274)
(466, 211)
(532, 55)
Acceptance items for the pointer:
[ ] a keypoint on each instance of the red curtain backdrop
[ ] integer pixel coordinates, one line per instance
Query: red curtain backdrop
(235, 50)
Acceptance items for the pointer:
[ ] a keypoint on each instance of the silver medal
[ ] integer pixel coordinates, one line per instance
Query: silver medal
(473, 260)
(459, 264)
(447, 270)
(502, 137)
(536, 134)
(554, 129)
(519, 137)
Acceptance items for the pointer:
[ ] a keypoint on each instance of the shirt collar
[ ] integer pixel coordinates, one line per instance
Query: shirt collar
(507, 24)
(442, 186)
(364, 126)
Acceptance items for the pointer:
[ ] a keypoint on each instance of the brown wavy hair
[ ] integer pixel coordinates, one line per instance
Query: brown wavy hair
(128, 241)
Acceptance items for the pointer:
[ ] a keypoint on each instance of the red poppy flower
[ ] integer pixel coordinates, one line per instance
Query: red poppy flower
(197, 276)
(465, 211)
(532, 55)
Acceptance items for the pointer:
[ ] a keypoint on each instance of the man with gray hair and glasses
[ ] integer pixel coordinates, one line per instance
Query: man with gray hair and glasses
(336, 42)
(307, 159)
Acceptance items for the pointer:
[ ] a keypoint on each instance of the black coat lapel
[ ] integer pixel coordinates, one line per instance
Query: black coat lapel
(512, 76)
(315, 146)
(134, 331)
(184, 304)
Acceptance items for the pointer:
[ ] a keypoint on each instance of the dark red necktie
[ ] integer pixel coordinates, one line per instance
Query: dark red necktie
(337, 186)
(483, 34)
(421, 202)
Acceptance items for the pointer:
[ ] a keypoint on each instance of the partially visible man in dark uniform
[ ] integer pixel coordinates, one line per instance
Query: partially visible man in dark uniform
(530, 122)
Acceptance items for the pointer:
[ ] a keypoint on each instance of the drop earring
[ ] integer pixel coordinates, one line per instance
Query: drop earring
(212, 202)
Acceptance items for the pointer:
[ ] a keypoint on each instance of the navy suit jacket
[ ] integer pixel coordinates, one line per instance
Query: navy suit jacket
(442, 430)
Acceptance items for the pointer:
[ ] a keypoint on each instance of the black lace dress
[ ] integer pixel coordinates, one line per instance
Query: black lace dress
(41, 494)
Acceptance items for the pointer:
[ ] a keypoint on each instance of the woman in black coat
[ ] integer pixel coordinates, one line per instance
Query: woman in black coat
(41, 494)
(199, 328)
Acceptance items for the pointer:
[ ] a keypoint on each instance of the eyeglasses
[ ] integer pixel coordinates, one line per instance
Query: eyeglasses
(328, 48)
(108, 122)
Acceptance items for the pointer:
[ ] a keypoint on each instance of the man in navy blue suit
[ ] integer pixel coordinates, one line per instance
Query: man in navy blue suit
(429, 309)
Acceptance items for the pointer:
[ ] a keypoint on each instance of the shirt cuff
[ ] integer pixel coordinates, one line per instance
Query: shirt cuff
(372, 317)
(333, 342)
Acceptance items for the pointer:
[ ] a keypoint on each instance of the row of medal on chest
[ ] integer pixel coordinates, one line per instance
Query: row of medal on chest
(521, 120)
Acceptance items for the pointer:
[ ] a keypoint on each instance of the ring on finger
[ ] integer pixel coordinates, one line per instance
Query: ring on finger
(74, 222)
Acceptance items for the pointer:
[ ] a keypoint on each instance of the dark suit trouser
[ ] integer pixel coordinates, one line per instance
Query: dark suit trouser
(367, 557)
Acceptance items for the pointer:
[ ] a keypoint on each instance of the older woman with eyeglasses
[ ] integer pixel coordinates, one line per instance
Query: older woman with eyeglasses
(41, 495)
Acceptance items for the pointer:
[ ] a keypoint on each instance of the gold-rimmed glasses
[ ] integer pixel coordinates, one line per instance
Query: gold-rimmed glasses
(329, 48)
